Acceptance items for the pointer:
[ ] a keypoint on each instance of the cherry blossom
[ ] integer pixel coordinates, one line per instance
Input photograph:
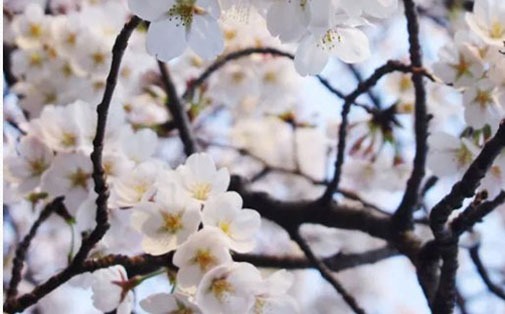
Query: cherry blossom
(28, 167)
(487, 21)
(202, 252)
(239, 225)
(167, 222)
(111, 290)
(227, 288)
(200, 179)
(162, 303)
(183, 23)
(69, 175)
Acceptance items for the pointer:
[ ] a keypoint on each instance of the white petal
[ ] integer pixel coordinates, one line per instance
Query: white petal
(309, 58)
(165, 40)
(149, 10)
(354, 46)
(205, 37)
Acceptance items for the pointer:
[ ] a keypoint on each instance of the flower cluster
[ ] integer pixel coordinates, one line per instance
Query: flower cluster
(189, 211)
(60, 59)
(319, 28)
(474, 66)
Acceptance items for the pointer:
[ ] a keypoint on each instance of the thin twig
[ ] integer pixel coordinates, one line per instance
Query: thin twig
(177, 111)
(23, 246)
(472, 215)
(481, 269)
(326, 273)
(357, 75)
(390, 66)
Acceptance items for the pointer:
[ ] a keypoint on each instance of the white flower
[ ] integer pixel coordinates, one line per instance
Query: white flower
(202, 252)
(494, 181)
(71, 127)
(228, 288)
(162, 303)
(31, 28)
(137, 185)
(139, 145)
(32, 160)
(288, 19)
(69, 176)
(111, 291)
(176, 24)
(449, 155)
(460, 65)
(200, 178)
(167, 222)
(488, 21)
(375, 8)
(349, 44)
(238, 225)
(271, 295)
(482, 106)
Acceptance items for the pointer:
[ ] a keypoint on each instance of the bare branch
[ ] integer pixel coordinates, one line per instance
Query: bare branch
(176, 108)
(481, 269)
(403, 218)
(326, 273)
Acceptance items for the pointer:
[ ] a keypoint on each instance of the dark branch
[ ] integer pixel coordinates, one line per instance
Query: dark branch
(445, 297)
(188, 94)
(326, 273)
(403, 218)
(291, 214)
(23, 246)
(474, 214)
(357, 75)
(390, 66)
(481, 269)
(468, 184)
(177, 111)
(336, 263)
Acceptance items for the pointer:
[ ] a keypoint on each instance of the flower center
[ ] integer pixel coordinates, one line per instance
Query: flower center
(201, 191)
(204, 259)
(79, 179)
(462, 68)
(463, 156)
(405, 83)
(35, 30)
(68, 139)
(225, 226)
(497, 30)
(220, 287)
(183, 11)
(171, 222)
(35, 59)
(483, 98)
(98, 58)
(37, 167)
(330, 40)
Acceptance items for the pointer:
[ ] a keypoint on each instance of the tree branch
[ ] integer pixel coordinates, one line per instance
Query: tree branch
(472, 215)
(468, 184)
(177, 111)
(481, 269)
(325, 272)
(364, 86)
(23, 246)
(403, 217)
